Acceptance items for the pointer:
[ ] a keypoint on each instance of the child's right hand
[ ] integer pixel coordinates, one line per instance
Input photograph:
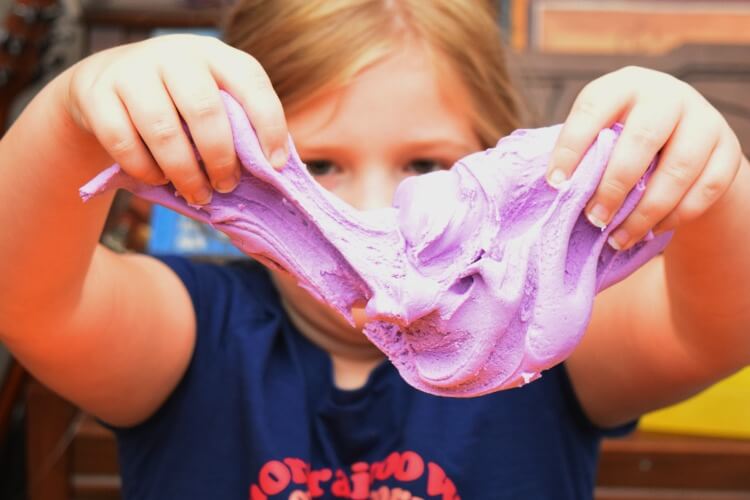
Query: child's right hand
(117, 321)
(132, 97)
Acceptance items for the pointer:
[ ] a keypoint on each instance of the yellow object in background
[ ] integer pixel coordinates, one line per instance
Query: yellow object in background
(722, 410)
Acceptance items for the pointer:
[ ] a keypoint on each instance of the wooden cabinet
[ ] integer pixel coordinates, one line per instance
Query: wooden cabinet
(625, 26)
(659, 466)
(70, 456)
(550, 82)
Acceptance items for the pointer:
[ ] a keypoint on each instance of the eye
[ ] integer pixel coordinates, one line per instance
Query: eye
(425, 166)
(319, 168)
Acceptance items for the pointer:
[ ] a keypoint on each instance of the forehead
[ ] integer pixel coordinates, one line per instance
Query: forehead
(405, 96)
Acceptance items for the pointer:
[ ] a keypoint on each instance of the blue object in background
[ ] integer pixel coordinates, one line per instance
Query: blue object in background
(172, 233)
(207, 31)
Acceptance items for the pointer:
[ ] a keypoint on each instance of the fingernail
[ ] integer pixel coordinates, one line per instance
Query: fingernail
(278, 158)
(226, 185)
(203, 196)
(618, 239)
(556, 178)
(598, 216)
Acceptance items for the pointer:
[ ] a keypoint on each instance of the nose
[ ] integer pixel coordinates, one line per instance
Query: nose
(371, 187)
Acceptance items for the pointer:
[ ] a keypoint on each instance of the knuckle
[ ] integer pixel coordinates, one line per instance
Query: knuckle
(688, 210)
(212, 40)
(142, 171)
(678, 169)
(163, 130)
(255, 75)
(141, 167)
(204, 105)
(269, 123)
(189, 37)
(613, 188)
(119, 144)
(176, 38)
(650, 211)
(80, 82)
(712, 190)
(259, 83)
(222, 166)
(585, 105)
(735, 146)
(645, 137)
(669, 222)
(564, 154)
(637, 225)
(189, 182)
(633, 71)
(251, 63)
(274, 130)
(712, 120)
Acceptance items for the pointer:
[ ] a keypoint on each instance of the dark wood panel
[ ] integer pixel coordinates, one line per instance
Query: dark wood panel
(604, 493)
(148, 14)
(48, 419)
(550, 83)
(674, 461)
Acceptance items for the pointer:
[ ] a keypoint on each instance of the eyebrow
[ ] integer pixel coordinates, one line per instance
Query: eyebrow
(441, 143)
(438, 142)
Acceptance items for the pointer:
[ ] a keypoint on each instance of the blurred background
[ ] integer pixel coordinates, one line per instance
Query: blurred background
(49, 450)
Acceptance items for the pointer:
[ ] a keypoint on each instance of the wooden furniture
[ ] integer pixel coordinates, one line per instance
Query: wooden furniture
(69, 455)
(149, 14)
(550, 82)
(659, 466)
(625, 26)
(113, 22)
(24, 37)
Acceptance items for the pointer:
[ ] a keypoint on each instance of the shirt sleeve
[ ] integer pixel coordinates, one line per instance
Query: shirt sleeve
(222, 299)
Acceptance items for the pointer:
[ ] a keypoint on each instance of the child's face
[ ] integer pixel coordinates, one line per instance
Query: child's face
(400, 117)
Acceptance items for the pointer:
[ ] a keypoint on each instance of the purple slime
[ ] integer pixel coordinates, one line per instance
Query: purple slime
(475, 280)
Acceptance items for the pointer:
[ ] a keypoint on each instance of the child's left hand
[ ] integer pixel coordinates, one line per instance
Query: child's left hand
(700, 154)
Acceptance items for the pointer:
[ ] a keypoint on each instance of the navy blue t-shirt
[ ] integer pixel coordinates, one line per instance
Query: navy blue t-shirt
(257, 416)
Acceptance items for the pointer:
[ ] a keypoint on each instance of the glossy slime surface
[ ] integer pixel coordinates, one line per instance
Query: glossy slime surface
(475, 280)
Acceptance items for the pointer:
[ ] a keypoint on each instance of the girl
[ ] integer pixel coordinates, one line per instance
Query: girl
(228, 382)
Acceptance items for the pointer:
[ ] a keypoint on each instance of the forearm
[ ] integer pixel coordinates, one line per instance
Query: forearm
(707, 269)
(48, 234)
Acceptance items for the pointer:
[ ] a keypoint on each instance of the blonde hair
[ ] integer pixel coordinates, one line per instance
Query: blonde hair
(310, 46)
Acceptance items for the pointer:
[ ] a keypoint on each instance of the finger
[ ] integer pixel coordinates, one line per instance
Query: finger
(109, 121)
(713, 182)
(157, 121)
(244, 78)
(198, 101)
(647, 128)
(681, 161)
(597, 106)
